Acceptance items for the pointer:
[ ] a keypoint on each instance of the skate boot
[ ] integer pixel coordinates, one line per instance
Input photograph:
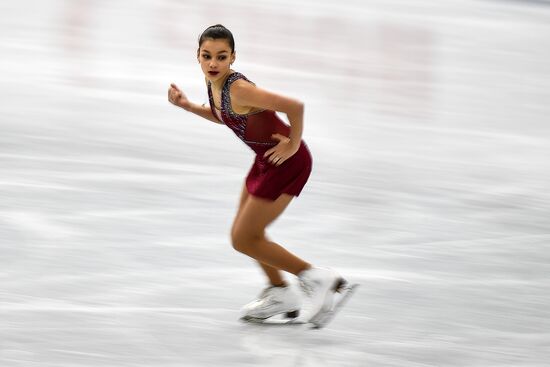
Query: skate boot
(319, 286)
(273, 301)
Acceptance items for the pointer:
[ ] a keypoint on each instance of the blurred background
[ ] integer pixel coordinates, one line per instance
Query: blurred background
(428, 124)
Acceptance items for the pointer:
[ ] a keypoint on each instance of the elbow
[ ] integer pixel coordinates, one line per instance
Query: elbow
(294, 109)
(300, 107)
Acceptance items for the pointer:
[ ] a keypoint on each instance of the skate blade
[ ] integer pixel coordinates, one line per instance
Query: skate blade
(273, 322)
(288, 318)
(322, 319)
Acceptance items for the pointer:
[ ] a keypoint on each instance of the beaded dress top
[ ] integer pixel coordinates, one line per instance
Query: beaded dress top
(255, 128)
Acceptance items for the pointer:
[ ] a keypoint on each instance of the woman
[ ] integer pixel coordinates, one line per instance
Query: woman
(279, 172)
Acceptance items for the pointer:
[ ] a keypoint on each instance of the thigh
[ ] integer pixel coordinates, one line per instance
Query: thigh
(244, 196)
(256, 213)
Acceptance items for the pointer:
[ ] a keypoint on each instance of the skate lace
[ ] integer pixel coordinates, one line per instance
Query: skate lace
(267, 298)
(266, 295)
(307, 288)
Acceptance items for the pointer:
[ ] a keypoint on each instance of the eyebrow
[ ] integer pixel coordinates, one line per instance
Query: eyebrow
(218, 52)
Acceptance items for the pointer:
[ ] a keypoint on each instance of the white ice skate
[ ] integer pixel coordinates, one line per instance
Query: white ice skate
(324, 291)
(343, 292)
(273, 301)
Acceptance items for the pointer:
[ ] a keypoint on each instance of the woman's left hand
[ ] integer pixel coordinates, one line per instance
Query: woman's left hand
(282, 151)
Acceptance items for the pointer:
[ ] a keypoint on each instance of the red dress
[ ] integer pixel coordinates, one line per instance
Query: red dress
(264, 180)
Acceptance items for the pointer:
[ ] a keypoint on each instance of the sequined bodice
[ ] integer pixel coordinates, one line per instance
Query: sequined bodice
(254, 129)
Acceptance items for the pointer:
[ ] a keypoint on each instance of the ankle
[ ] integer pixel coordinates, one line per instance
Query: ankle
(302, 270)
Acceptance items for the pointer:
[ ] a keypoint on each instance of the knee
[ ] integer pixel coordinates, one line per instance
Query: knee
(244, 240)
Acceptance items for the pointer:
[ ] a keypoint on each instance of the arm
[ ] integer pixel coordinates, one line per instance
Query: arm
(246, 94)
(202, 111)
(178, 98)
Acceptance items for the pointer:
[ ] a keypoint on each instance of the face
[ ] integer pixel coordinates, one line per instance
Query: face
(215, 58)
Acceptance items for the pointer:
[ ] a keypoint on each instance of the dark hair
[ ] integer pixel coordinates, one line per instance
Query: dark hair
(218, 31)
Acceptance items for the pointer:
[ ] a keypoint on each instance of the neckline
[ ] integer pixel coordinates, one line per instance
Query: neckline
(221, 91)
(224, 82)
(229, 109)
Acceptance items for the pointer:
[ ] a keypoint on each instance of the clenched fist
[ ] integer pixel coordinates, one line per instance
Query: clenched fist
(177, 97)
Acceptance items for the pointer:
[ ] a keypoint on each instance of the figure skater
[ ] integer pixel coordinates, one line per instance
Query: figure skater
(280, 170)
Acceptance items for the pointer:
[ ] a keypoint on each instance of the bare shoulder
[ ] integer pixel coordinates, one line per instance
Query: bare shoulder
(244, 93)
(241, 91)
(242, 87)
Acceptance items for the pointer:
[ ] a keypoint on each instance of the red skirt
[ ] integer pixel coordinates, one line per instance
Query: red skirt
(268, 181)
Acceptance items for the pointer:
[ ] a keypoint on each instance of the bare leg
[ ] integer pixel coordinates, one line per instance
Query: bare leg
(274, 275)
(248, 234)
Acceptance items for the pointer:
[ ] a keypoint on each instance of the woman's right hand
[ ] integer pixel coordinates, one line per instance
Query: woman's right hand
(178, 98)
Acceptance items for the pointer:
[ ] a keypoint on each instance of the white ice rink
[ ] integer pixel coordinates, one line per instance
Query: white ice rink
(429, 126)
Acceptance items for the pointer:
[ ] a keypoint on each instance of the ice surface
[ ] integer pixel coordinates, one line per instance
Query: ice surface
(428, 123)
